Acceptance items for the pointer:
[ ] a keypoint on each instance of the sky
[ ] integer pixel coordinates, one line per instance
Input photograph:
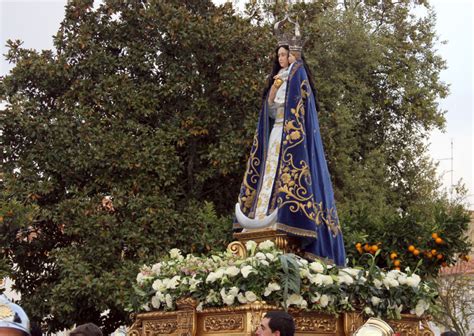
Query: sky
(35, 21)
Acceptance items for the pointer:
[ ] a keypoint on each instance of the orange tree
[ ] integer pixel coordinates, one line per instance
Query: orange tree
(131, 136)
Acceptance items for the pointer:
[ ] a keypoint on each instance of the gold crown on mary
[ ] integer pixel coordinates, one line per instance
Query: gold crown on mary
(288, 37)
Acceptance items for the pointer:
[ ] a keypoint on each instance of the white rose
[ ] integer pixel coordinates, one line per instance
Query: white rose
(241, 298)
(228, 299)
(375, 300)
(271, 287)
(213, 276)
(402, 279)
(146, 306)
(270, 256)
(266, 245)
(316, 267)
(264, 262)
(175, 253)
(141, 278)
(316, 279)
(233, 291)
(324, 300)
(413, 280)
(193, 283)
(344, 278)
(327, 280)
(304, 273)
(246, 270)
(156, 268)
(173, 282)
(260, 255)
(232, 271)
(302, 262)
(156, 300)
(390, 282)
(368, 311)
(377, 283)
(158, 285)
(250, 245)
(421, 307)
(354, 272)
(316, 297)
(296, 300)
(250, 296)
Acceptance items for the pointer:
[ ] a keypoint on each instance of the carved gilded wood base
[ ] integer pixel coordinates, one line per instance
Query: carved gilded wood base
(244, 320)
(281, 240)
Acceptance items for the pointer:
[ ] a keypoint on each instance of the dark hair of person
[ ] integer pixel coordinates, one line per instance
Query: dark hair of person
(281, 321)
(35, 329)
(88, 329)
(276, 68)
(449, 333)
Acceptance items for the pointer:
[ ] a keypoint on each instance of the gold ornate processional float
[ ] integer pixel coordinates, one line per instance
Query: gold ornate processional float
(243, 320)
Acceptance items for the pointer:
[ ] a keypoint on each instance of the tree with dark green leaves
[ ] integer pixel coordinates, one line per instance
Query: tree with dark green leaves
(131, 137)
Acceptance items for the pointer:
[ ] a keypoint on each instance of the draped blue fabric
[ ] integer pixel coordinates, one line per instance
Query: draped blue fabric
(302, 190)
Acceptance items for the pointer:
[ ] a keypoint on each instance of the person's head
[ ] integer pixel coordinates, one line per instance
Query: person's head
(13, 319)
(282, 54)
(449, 333)
(276, 323)
(88, 329)
(294, 56)
(280, 61)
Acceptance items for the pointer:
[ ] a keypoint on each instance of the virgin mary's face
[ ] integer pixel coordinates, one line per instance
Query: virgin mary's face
(283, 57)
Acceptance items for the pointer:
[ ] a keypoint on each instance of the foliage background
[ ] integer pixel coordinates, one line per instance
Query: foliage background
(131, 137)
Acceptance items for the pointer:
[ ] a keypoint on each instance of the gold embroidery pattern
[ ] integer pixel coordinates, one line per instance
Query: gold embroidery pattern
(5, 312)
(246, 200)
(295, 177)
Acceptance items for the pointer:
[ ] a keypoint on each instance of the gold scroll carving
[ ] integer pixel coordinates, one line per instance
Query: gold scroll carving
(159, 327)
(224, 323)
(318, 324)
(244, 320)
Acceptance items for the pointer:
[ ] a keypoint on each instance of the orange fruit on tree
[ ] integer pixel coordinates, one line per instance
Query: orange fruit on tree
(411, 248)
(433, 252)
(393, 255)
(434, 235)
(358, 245)
(439, 240)
(367, 247)
(374, 248)
(416, 252)
(439, 256)
(429, 255)
(396, 262)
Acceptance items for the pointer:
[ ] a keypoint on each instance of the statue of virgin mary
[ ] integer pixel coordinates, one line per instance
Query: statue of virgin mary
(287, 185)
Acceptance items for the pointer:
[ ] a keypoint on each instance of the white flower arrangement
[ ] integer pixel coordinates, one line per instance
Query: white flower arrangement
(286, 280)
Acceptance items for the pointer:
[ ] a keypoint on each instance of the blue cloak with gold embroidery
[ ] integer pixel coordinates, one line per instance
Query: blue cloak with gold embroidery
(302, 190)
